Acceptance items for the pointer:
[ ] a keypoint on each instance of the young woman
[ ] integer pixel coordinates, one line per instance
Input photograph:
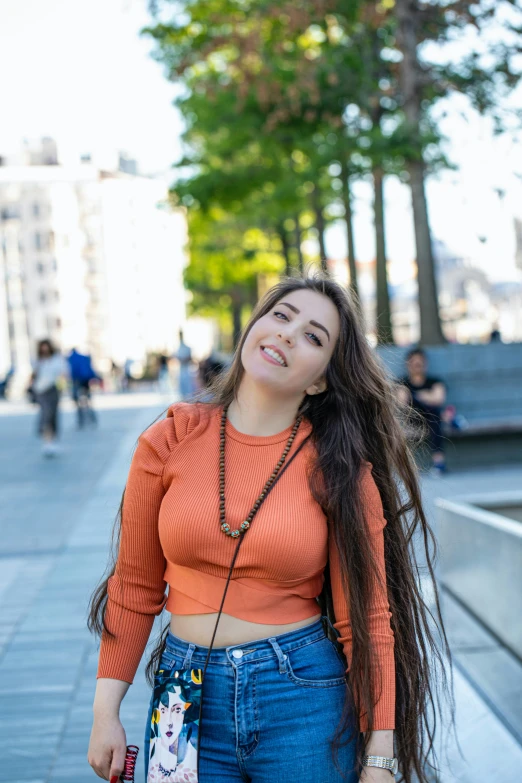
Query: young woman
(48, 379)
(329, 548)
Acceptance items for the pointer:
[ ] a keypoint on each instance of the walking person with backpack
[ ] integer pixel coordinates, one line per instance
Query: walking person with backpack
(82, 374)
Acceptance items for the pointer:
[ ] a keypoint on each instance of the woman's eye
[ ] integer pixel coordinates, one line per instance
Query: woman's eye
(314, 337)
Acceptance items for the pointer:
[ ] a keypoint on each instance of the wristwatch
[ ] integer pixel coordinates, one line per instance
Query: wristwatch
(381, 761)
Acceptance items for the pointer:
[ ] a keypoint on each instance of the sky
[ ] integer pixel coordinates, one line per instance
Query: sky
(78, 70)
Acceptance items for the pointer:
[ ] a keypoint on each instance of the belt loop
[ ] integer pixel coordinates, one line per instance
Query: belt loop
(188, 657)
(280, 655)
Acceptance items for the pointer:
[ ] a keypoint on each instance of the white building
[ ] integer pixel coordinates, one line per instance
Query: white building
(88, 258)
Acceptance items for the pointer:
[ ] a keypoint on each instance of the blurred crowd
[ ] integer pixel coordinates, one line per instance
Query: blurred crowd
(422, 394)
(55, 374)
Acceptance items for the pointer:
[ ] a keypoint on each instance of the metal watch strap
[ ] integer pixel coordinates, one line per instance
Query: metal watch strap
(381, 761)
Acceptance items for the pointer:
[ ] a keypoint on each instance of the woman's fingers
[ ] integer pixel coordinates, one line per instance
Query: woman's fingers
(118, 763)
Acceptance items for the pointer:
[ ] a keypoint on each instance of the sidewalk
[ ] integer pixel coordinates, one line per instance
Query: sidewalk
(57, 517)
(56, 520)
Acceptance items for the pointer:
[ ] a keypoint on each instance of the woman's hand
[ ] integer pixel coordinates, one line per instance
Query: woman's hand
(107, 747)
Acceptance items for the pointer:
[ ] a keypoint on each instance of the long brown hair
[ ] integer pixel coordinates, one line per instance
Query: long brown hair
(357, 419)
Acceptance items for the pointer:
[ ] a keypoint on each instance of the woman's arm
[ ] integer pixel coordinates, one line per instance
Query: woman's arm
(108, 742)
(434, 396)
(136, 590)
(135, 594)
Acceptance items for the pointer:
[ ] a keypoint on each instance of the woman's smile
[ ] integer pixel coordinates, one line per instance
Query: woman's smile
(273, 355)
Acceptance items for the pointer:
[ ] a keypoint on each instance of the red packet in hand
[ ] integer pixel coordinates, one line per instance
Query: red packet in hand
(130, 764)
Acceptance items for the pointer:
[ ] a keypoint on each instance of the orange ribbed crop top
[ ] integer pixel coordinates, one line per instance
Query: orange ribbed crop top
(171, 535)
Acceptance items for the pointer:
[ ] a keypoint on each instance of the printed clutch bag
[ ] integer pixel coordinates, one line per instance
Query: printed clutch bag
(174, 726)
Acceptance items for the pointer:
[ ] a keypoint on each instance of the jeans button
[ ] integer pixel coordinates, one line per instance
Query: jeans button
(237, 653)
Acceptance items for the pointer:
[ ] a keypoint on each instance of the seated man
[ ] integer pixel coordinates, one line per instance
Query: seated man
(427, 395)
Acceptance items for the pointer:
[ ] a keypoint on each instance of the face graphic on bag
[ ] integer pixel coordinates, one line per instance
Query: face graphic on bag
(173, 756)
(170, 723)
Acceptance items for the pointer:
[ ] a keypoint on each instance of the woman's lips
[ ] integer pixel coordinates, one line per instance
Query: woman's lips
(169, 733)
(269, 359)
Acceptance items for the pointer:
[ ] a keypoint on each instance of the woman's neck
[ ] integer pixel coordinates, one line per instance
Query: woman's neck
(257, 412)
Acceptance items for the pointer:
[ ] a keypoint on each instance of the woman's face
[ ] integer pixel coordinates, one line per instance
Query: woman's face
(301, 330)
(44, 351)
(171, 720)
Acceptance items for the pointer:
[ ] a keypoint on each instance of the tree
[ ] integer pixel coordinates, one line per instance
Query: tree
(485, 74)
(226, 260)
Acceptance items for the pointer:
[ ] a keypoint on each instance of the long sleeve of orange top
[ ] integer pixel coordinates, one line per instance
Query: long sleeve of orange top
(379, 612)
(136, 591)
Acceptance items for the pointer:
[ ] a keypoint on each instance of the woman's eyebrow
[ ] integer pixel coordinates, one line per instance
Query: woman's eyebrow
(314, 323)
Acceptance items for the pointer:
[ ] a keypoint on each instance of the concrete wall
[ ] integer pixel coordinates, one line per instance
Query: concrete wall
(481, 562)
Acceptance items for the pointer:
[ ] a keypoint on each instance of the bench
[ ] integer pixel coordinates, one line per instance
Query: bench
(484, 382)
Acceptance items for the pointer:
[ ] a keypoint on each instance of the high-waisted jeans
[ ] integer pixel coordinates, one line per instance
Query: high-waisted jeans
(270, 709)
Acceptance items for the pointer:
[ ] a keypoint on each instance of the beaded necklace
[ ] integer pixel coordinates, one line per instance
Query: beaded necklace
(225, 527)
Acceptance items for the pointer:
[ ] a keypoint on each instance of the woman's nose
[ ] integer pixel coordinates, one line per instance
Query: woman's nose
(286, 336)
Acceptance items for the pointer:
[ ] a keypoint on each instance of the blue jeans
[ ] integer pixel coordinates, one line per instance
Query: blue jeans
(270, 708)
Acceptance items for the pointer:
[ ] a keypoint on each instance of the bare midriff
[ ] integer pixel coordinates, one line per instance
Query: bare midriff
(198, 629)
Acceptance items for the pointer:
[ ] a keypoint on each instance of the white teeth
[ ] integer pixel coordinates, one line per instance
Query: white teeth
(275, 356)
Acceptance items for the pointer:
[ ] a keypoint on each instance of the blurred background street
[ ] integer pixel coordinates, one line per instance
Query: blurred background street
(162, 165)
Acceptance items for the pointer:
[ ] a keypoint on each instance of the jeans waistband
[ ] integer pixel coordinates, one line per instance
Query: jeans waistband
(258, 649)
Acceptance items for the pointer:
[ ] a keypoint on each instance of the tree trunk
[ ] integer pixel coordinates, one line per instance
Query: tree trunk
(430, 326)
(285, 248)
(383, 314)
(320, 226)
(348, 219)
(236, 318)
(298, 242)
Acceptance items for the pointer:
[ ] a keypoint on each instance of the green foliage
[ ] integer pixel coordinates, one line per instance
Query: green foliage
(278, 96)
(226, 257)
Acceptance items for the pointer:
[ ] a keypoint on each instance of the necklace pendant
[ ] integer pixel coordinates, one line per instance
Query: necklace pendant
(235, 534)
(225, 527)
(244, 525)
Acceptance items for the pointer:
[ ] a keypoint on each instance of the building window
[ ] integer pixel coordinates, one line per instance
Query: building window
(9, 213)
(41, 240)
(57, 296)
(43, 297)
(40, 268)
(58, 323)
(36, 209)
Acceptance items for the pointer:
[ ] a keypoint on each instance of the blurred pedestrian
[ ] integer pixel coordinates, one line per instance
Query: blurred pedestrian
(4, 384)
(82, 375)
(184, 357)
(209, 369)
(126, 376)
(116, 377)
(164, 382)
(48, 380)
(427, 395)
